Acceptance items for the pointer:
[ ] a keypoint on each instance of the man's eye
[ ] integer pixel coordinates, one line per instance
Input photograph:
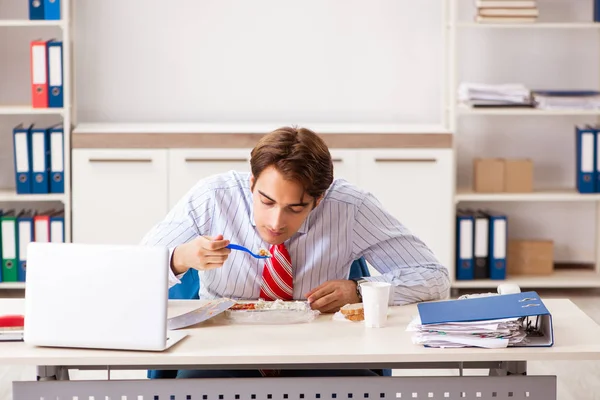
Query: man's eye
(267, 203)
(297, 210)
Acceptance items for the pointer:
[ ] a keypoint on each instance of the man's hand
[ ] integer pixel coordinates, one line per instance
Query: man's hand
(332, 295)
(202, 253)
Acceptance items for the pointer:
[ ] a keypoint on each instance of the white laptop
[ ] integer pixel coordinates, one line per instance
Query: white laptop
(97, 296)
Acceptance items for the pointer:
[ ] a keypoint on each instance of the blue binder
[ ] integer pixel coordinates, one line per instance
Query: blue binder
(36, 9)
(585, 155)
(40, 160)
(26, 236)
(22, 157)
(465, 268)
(57, 159)
(527, 305)
(52, 9)
(498, 243)
(57, 227)
(54, 66)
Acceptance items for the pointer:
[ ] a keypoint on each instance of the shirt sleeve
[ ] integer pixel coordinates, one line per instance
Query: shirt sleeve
(190, 218)
(403, 259)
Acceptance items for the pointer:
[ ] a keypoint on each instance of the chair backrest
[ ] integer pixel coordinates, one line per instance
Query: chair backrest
(189, 287)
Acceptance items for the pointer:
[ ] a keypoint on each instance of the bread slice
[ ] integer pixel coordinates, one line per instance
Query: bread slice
(353, 312)
(352, 309)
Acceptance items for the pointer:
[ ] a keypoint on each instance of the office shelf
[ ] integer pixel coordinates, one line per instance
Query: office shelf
(525, 111)
(29, 23)
(28, 110)
(541, 195)
(559, 279)
(535, 25)
(12, 285)
(12, 196)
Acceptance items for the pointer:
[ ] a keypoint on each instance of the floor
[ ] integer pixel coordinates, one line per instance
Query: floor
(576, 380)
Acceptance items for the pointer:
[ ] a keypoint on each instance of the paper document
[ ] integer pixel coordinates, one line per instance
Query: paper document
(206, 311)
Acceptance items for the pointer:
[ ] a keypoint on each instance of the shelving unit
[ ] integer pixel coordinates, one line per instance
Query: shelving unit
(8, 195)
(561, 278)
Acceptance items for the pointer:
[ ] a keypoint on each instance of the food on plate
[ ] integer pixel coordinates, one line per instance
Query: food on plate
(243, 306)
(264, 252)
(353, 312)
(271, 305)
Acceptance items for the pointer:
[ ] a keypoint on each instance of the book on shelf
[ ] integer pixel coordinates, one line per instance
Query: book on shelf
(506, 11)
(505, 4)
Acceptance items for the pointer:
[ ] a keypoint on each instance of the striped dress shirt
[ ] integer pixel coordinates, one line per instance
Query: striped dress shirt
(349, 223)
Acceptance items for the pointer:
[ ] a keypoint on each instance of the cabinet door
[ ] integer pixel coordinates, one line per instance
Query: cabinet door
(118, 195)
(187, 167)
(416, 186)
(345, 164)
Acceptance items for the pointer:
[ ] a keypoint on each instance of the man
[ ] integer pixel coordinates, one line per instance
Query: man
(313, 226)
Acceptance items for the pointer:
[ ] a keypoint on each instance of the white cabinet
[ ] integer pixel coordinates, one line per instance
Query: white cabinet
(416, 186)
(188, 166)
(118, 195)
(345, 164)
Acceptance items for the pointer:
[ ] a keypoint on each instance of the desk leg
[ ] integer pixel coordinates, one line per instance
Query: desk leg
(510, 368)
(52, 373)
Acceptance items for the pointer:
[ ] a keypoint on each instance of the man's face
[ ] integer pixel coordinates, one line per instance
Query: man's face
(280, 206)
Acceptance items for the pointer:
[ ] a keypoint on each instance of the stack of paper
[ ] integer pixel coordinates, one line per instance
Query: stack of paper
(11, 327)
(513, 11)
(491, 334)
(480, 94)
(572, 100)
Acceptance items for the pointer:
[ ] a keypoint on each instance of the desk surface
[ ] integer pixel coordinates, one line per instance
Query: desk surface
(214, 342)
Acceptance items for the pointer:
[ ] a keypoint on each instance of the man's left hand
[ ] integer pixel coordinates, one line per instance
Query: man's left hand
(332, 295)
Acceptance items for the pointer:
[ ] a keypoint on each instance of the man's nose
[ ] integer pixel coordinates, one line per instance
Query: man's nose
(276, 220)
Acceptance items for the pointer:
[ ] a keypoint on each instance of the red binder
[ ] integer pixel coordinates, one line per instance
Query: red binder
(39, 75)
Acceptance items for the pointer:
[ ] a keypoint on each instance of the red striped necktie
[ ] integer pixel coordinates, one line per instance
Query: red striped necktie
(278, 281)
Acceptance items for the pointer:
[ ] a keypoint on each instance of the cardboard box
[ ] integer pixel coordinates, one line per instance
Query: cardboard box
(518, 176)
(488, 175)
(530, 257)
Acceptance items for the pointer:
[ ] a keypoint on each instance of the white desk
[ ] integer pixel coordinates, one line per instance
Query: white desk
(324, 344)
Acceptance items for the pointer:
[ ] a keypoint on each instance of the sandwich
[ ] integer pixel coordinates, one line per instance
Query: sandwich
(353, 312)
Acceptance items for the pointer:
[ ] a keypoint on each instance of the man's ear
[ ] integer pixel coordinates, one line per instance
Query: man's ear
(317, 201)
(252, 182)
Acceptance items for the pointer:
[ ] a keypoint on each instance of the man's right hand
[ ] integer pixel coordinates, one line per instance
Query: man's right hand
(202, 253)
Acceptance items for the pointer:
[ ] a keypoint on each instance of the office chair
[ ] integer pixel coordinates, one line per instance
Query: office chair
(190, 285)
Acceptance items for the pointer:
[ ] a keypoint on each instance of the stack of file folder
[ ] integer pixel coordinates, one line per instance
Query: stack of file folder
(490, 95)
(17, 230)
(39, 159)
(499, 321)
(44, 9)
(566, 99)
(481, 244)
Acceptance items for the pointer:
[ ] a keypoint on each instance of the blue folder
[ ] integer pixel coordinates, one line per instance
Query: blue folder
(528, 305)
(51, 9)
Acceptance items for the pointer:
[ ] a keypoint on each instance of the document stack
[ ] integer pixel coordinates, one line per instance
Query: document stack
(567, 99)
(496, 321)
(506, 11)
(494, 95)
(11, 328)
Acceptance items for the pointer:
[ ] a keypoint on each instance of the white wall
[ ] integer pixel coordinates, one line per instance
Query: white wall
(259, 60)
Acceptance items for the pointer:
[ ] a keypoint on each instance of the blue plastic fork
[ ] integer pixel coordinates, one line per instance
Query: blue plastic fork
(242, 248)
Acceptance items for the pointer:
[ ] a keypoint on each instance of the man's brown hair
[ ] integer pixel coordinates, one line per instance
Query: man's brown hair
(298, 154)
